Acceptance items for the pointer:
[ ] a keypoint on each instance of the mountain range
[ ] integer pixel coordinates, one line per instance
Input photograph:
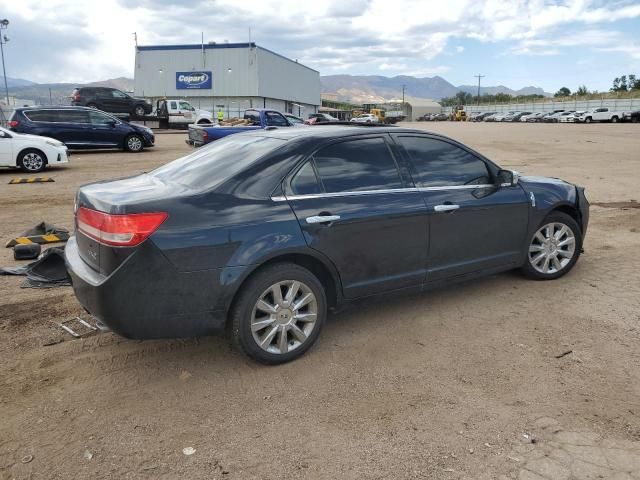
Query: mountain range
(377, 88)
(353, 88)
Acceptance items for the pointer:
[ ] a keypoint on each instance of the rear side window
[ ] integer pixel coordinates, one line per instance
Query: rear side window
(274, 119)
(41, 115)
(357, 165)
(73, 116)
(438, 163)
(252, 115)
(220, 160)
(305, 181)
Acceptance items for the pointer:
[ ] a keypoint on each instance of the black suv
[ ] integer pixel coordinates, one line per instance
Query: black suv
(110, 100)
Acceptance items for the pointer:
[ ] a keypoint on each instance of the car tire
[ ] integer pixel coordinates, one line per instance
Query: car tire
(277, 332)
(588, 120)
(614, 120)
(139, 111)
(558, 236)
(32, 160)
(134, 143)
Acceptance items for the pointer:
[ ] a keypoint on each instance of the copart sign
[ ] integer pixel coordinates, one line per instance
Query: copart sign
(193, 80)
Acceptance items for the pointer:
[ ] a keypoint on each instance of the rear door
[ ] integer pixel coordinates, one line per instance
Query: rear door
(6, 150)
(474, 224)
(356, 205)
(73, 127)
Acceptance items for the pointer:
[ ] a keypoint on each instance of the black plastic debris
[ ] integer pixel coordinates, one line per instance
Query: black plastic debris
(44, 228)
(26, 252)
(47, 272)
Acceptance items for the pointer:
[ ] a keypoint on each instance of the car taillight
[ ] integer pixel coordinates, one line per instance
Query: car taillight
(205, 136)
(75, 97)
(13, 123)
(126, 230)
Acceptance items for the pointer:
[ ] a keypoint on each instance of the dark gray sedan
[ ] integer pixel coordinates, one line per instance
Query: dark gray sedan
(266, 231)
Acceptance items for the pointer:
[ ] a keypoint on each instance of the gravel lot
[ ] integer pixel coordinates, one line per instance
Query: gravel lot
(457, 383)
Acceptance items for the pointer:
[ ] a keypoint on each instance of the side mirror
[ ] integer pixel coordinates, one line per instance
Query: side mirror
(507, 177)
(112, 123)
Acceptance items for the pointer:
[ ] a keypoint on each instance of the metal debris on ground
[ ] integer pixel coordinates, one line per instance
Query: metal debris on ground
(564, 354)
(17, 181)
(42, 233)
(82, 327)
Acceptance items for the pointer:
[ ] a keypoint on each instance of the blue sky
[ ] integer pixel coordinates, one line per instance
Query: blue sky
(514, 43)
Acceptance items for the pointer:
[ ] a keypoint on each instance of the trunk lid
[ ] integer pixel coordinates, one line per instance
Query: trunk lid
(130, 195)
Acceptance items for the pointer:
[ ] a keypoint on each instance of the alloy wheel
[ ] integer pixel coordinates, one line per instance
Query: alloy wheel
(134, 143)
(284, 317)
(552, 248)
(33, 161)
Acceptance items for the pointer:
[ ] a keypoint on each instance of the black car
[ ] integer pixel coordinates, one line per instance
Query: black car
(110, 100)
(267, 230)
(632, 117)
(81, 128)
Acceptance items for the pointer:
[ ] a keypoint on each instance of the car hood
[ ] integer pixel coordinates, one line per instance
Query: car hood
(35, 138)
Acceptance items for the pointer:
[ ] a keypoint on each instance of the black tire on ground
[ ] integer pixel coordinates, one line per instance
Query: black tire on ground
(614, 120)
(588, 120)
(133, 143)
(242, 310)
(32, 160)
(138, 110)
(561, 218)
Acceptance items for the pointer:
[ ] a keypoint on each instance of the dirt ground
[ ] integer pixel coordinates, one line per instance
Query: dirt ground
(462, 383)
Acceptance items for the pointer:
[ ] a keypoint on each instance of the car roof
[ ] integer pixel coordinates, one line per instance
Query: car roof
(334, 131)
(54, 107)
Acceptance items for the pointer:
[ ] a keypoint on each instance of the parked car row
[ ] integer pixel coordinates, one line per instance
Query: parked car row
(602, 114)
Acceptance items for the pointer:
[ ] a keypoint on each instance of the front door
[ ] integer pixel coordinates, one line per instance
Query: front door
(104, 130)
(475, 225)
(355, 207)
(6, 150)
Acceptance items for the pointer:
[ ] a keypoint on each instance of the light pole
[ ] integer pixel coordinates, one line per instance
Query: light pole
(3, 39)
(403, 87)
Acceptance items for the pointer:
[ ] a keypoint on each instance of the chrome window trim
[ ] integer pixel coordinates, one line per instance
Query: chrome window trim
(283, 198)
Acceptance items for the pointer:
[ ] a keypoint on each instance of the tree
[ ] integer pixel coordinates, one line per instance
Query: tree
(634, 84)
(563, 92)
(620, 83)
(582, 91)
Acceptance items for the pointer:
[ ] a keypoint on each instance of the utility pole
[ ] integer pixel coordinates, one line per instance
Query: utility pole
(403, 88)
(3, 39)
(479, 77)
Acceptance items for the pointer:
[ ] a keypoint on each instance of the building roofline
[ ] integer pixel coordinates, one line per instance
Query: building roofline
(212, 46)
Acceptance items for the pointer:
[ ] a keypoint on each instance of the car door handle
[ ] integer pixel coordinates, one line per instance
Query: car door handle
(446, 208)
(323, 218)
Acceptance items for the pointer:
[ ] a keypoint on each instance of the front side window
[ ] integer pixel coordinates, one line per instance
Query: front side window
(305, 182)
(357, 165)
(119, 94)
(274, 119)
(174, 105)
(186, 106)
(439, 164)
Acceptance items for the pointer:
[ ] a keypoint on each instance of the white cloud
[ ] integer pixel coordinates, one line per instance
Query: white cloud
(93, 40)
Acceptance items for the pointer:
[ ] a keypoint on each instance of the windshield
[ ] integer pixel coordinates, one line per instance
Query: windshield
(211, 165)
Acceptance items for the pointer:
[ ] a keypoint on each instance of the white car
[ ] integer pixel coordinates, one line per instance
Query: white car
(365, 118)
(31, 153)
(532, 117)
(572, 118)
(602, 114)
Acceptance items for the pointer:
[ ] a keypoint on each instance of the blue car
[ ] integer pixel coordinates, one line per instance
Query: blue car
(81, 128)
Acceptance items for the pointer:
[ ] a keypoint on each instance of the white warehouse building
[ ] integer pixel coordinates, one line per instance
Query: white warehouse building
(231, 77)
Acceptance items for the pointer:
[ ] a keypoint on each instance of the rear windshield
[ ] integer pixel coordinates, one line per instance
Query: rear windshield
(212, 164)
